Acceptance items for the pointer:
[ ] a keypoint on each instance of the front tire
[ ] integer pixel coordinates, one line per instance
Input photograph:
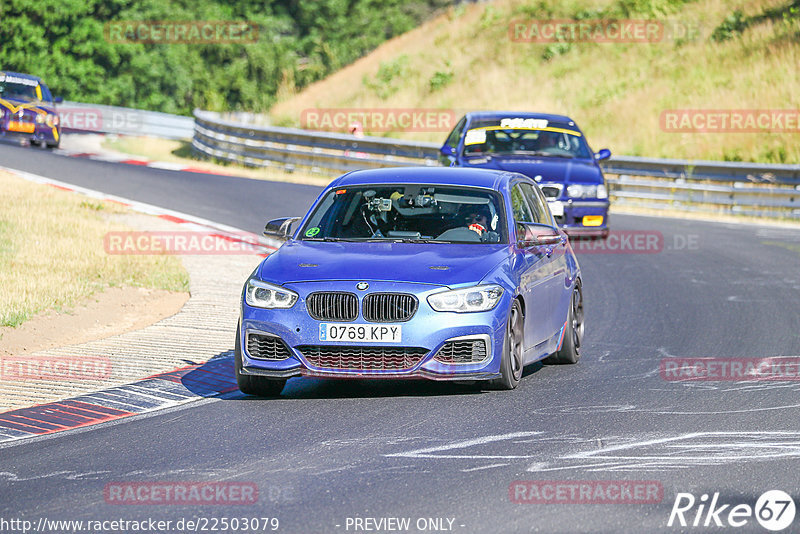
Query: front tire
(260, 386)
(512, 363)
(573, 335)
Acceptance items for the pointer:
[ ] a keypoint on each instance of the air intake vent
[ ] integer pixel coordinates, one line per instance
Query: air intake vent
(363, 358)
(462, 351)
(330, 306)
(389, 307)
(263, 347)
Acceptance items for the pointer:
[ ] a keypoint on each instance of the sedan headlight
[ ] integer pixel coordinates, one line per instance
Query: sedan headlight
(471, 299)
(263, 295)
(51, 120)
(39, 118)
(587, 191)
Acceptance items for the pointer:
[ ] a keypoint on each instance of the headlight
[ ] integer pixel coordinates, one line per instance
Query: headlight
(263, 295)
(587, 191)
(471, 299)
(39, 118)
(51, 120)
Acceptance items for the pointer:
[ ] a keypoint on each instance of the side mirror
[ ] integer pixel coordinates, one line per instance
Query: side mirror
(280, 229)
(548, 239)
(58, 100)
(447, 150)
(538, 235)
(603, 154)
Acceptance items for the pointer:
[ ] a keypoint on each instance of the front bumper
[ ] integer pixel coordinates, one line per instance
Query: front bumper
(41, 134)
(426, 333)
(577, 215)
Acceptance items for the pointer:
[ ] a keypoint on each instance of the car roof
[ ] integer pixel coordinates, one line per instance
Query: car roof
(486, 178)
(20, 75)
(490, 115)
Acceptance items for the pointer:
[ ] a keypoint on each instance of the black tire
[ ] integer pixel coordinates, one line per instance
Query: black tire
(573, 335)
(52, 147)
(511, 363)
(260, 386)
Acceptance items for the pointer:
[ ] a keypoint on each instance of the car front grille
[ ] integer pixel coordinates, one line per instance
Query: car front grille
(552, 191)
(363, 358)
(462, 351)
(389, 307)
(332, 306)
(264, 347)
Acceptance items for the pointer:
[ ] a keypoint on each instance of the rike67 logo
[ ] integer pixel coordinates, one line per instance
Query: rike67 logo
(774, 510)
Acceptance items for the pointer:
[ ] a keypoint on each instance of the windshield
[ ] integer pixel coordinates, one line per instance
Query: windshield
(408, 213)
(21, 91)
(539, 138)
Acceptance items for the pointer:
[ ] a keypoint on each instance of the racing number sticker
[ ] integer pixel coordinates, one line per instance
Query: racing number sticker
(475, 137)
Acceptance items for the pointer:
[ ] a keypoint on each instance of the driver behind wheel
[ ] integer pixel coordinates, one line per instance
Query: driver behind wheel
(478, 218)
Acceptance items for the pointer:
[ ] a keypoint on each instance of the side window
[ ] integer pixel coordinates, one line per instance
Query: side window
(540, 212)
(452, 140)
(522, 213)
(46, 95)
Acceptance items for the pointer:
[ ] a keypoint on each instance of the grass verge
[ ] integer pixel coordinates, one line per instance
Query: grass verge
(52, 254)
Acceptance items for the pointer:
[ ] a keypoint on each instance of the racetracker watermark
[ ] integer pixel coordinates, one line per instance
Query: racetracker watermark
(55, 368)
(379, 119)
(601, 31)
(155, 243)
(181, 32)
(636, 242)
(730, 120)
(80, 119)
(586, 491)
(780, 368)
(181, 493)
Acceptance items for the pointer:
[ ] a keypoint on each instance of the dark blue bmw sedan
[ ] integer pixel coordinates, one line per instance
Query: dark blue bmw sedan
(437, 273)
(551, 149)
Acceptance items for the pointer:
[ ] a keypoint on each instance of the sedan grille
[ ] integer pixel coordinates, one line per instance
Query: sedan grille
(552, 191)
(462, 351)
(331, 306)
(264, 347)
(389, 307)
(363, 358)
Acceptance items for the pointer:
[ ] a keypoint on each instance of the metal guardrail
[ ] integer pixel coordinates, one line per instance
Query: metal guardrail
(727, 187)
(77, 117)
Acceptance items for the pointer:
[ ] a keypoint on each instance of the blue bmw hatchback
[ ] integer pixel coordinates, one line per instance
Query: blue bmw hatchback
(437, 273)
(551, 149)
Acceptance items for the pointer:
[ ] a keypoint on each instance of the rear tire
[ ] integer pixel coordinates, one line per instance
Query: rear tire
(573, 335)
(260, 386)
(511, 364)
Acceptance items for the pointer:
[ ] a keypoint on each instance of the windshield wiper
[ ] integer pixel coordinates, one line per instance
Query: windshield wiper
(542, 154)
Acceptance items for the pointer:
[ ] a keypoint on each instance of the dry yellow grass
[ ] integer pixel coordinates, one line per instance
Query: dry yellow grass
(52, 254)
(616, 92)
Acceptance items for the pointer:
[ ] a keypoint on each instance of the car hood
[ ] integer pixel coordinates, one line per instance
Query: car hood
(442, 264)
(27, 104)
(550, 169)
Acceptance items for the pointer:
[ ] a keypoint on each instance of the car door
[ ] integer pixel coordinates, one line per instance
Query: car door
(534, 272)
(558, 284)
